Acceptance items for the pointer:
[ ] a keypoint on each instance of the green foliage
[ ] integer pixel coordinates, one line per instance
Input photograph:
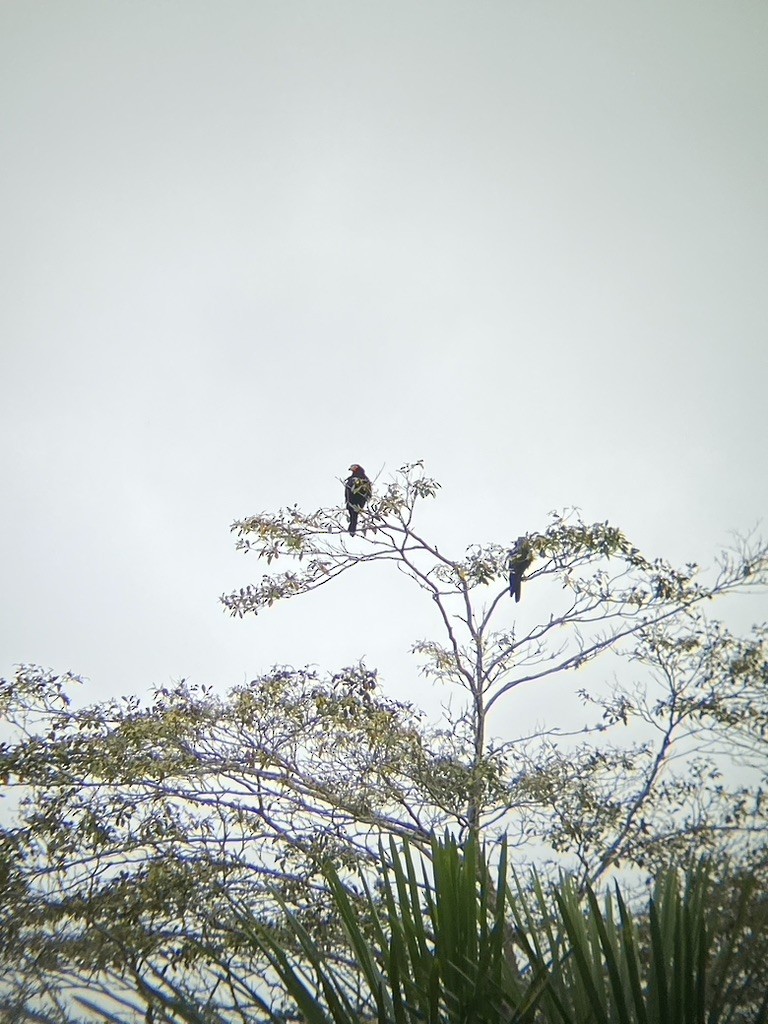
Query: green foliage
(136, 834)
(443, 950)
(434, 950)
(451, 943)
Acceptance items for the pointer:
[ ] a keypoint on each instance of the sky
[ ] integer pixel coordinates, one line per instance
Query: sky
(246, 243)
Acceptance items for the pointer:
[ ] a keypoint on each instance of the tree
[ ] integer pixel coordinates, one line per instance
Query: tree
(591, 797)
(136, 826)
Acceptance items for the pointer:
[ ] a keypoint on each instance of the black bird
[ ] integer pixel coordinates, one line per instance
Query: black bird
(520, 557)
(357, 491)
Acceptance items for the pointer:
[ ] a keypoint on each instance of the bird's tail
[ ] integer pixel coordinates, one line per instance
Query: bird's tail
(352, 521)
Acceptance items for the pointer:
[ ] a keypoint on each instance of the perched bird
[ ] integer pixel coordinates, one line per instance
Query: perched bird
(520, 557)
(357, 491)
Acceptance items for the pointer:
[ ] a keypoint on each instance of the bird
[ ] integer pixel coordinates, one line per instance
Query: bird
(520, 557)
(357, 491)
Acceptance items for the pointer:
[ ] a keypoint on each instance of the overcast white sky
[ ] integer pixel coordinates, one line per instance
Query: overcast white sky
(244, 244)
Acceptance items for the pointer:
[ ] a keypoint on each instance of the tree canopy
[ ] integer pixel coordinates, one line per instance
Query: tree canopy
(131, 828)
